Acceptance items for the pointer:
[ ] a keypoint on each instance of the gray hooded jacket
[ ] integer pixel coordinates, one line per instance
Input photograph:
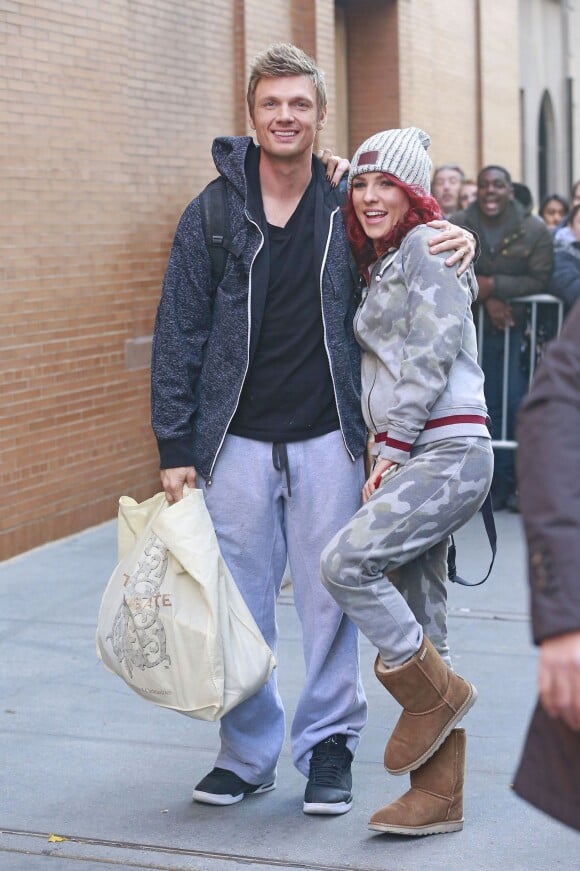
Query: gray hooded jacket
(202, 341)
(421, 381)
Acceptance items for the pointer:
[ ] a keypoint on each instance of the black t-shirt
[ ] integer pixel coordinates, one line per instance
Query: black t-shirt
(288, 393)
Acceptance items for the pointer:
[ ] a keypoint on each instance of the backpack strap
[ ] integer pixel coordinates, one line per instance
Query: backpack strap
(489, 523)
(216, 228)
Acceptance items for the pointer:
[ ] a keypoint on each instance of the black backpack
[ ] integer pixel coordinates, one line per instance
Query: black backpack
(216, 228)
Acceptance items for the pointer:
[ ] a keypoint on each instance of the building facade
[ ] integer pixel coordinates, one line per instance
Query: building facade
(108, 109)
(549, 75)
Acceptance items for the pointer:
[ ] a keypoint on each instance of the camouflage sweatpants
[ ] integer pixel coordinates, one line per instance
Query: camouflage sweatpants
(387, 567)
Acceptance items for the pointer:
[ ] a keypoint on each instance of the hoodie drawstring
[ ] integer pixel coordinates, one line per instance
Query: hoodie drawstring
(280, 461)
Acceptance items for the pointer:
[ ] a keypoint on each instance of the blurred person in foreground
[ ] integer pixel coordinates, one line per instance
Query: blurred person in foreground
(548, 775)
(423, 401)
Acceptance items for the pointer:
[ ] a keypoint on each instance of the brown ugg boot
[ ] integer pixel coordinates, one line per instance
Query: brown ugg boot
(434, 804)
(434, 699)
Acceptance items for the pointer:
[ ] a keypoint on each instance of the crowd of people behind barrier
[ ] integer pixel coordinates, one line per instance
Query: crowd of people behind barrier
(522, 255)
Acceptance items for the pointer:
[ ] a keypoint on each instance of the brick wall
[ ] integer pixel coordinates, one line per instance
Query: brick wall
(414, 62)
(438, 88)
(324, 51)
(109, 108)
(500, 96)
(373, 56)
(266, 23)
(443, 89)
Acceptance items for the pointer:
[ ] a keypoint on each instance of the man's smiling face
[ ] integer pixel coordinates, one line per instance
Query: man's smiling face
(494, 193)
(285, 116)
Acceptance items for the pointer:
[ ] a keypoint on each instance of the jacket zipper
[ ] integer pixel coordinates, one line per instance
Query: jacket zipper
(324, 332)
(208, 482)
(371, 418)
(372, 387)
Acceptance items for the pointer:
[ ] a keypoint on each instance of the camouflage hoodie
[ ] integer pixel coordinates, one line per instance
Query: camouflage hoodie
(421, 381)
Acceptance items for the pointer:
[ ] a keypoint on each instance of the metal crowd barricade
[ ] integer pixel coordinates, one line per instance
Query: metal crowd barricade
(533, 302)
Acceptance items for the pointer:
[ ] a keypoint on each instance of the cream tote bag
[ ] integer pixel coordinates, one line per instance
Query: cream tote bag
(172, 622)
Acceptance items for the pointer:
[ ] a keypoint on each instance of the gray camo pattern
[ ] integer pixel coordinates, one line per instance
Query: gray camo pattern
(386, 567)
(419, 360)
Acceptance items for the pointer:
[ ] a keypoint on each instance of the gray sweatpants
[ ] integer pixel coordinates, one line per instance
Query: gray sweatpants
(259, 526)
(400, 536)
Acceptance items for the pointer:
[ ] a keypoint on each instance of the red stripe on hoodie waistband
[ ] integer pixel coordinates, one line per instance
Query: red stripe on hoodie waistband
(450, 420)
(455, 418)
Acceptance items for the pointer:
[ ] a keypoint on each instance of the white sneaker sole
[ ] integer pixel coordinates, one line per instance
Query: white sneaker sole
(222, 800)
(327, 809)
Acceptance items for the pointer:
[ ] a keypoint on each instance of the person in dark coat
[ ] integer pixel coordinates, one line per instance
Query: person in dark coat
(549, 474)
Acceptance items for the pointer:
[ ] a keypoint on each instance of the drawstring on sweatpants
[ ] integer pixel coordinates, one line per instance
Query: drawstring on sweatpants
(280, 461)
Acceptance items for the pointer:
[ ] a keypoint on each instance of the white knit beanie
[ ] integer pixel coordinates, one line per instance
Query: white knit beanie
(402, 153)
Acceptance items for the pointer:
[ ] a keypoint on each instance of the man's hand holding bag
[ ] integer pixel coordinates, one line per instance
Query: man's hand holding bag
(172, 622)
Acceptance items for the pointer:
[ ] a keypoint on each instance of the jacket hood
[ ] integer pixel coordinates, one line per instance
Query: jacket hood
(229, 155)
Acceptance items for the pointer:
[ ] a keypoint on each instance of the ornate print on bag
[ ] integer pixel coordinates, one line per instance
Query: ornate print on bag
(138, 635)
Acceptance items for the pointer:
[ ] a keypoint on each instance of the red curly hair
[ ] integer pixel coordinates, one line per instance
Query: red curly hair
(422, 208)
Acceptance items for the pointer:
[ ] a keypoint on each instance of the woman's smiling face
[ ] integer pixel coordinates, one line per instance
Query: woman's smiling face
(378, 204)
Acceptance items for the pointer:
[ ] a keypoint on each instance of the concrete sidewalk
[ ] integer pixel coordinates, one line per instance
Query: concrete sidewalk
(88, 761)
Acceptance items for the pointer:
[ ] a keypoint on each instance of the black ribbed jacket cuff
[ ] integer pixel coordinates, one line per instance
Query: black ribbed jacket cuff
(174, 453)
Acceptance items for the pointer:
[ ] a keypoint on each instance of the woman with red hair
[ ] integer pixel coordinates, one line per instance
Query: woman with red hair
(423, 402)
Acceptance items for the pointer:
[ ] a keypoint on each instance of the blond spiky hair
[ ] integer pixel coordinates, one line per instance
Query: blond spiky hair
(284, 59)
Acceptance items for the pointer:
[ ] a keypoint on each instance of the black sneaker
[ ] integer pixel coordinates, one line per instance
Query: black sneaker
(221, 786)
(329, 789)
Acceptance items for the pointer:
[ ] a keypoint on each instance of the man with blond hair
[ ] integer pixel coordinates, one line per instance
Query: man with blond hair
(256, 399)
